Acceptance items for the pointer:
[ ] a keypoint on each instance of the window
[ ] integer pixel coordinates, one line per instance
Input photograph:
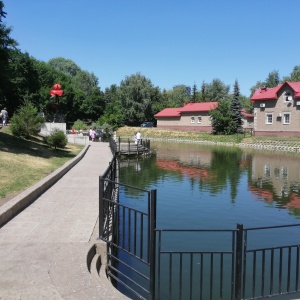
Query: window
(267, 171)
(288, 97)
(286, 118)
(269, 118)
(199, 120)
(192, 120)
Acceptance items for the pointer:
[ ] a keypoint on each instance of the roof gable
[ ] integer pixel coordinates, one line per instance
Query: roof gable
(272, 93)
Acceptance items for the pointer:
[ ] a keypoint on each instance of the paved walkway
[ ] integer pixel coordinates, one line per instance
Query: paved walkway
(43, 250)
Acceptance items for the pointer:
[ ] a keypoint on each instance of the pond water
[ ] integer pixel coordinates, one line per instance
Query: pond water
(214, 187)
(217, 187)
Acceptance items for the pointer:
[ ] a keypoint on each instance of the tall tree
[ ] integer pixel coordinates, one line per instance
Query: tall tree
(272, 80)
(194, 93)
(236, 109)
(6, 44)
(221, 117)
(295, 75)
(178, 96)
(216, 91)
(136, 92)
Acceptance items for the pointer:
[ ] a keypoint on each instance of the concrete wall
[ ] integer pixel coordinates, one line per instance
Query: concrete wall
(47, 128)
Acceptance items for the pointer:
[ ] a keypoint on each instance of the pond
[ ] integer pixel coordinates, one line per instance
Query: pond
(217, 187)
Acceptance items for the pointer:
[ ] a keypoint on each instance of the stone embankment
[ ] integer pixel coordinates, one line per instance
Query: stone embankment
(283, 146)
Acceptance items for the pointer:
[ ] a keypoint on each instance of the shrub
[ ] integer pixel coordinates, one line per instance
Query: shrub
(56, 139)
(26, 121)
(79, 124)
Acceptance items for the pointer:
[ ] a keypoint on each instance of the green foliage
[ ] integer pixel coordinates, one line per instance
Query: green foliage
(236, 108)
(272, 80)
(57, 139)
(178, 96)
(26, 121)
(136, 93)
(215, 91)
(79, 124)
(221, 118)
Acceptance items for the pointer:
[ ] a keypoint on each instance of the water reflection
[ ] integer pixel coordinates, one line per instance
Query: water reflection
(225, 183)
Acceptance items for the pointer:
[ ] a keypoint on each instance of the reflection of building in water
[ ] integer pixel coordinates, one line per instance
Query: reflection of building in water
(280, 172)
(192, 172)
(186, 155)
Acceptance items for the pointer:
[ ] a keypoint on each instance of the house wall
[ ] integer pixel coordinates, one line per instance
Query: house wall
(247, 122)
(184, 122)
(274, 108)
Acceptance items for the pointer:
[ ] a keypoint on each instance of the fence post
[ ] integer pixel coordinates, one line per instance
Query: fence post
(238, 261)
(152, 244)
(101, 206)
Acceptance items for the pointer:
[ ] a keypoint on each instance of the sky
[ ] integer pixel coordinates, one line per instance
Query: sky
(170, 42)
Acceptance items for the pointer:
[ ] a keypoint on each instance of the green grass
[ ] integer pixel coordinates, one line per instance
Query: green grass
(199, 136)
(25, 162)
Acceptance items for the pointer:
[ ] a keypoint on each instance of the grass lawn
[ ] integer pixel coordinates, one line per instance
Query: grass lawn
(198, 136)
(26, 162)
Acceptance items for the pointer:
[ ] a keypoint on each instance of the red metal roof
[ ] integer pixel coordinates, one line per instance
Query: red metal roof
(247, 115)
(190, 107)
(199, 106)
(168, 112)
(272, 93)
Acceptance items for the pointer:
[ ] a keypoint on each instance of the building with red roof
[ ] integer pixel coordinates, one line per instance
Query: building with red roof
(277, 110)
(193, 117)
(190, 117)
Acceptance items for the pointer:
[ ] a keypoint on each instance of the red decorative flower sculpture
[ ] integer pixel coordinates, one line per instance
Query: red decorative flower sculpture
(56, 92)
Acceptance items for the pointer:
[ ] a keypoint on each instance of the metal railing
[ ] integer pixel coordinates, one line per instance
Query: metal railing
(146, 262)
(129, 147)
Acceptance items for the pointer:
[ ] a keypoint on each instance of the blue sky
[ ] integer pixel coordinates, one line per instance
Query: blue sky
(169, 42)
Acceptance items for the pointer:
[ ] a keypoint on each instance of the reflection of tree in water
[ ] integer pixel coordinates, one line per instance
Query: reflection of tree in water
(226, 165)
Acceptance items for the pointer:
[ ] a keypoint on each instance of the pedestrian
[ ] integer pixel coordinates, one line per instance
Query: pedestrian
(100, 133)
(4, 115)
(93, 135)
(138, 138)
(134, 138)
(90, 134)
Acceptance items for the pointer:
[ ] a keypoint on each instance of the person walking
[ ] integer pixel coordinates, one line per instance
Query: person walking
(138, 137)
(4, 115)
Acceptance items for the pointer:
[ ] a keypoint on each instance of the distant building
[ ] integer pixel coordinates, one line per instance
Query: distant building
(277, 110)
(193, 117)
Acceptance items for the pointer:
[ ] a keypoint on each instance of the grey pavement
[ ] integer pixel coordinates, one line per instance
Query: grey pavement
(44, 248)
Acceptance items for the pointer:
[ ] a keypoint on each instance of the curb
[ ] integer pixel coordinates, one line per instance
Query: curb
(13, 207)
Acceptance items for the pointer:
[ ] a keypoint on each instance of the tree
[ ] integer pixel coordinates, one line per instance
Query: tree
(56, 139)
(272, 80)
(6, 45)
(295, 75)
(236, 108)
(26, 121)
(113, 113)
(178, 96)
(221, 117)
(216, 90)
(194, 93)
(136, 94)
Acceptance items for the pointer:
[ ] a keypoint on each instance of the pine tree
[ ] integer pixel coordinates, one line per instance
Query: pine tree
(236, 108)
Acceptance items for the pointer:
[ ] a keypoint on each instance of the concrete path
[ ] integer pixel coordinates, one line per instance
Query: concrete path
(43, 250)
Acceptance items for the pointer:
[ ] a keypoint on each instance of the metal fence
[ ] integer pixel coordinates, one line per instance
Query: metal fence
(146, 262)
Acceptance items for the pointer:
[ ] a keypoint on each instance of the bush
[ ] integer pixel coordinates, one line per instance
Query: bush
(56, 139)
(26, 121)
(79, 125)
